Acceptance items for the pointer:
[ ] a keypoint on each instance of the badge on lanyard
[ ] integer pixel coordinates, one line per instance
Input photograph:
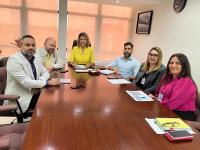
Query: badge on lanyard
(160, 97)
(143, 81)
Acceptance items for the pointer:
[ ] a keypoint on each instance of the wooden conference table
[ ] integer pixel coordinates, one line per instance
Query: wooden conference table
(101, 116)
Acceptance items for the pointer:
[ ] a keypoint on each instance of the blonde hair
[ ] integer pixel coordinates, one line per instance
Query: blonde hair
(88, 43)
(146, 65)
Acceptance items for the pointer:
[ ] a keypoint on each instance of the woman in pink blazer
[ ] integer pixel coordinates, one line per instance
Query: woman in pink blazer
(177, 90)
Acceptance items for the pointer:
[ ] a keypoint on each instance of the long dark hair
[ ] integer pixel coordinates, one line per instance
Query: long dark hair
(185, 71)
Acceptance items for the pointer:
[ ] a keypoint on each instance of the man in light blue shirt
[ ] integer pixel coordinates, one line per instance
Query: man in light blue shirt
(126, 66)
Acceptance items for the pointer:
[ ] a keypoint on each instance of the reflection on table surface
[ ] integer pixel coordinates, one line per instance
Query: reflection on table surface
(97, 116)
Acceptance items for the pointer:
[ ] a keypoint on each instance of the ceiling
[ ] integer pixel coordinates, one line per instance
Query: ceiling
(131, 3)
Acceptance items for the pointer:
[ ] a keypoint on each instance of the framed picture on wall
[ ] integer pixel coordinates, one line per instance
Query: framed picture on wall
(144, 22)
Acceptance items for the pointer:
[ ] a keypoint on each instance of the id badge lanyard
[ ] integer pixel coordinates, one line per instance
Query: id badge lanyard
(160, 97)
(143, 81)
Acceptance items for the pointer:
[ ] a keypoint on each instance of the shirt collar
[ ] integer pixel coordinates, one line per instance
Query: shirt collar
(32, 59)
(130, 58)
(46, 53)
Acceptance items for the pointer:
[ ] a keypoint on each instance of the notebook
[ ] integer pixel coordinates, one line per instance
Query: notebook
(172, 123)
(157, 129)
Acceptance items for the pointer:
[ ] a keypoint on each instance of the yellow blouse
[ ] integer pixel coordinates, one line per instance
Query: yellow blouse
(76, 56)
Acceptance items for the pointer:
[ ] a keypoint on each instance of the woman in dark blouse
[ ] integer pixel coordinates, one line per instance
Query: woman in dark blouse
(151, 71)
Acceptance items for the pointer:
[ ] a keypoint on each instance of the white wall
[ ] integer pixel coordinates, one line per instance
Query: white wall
(173, 33)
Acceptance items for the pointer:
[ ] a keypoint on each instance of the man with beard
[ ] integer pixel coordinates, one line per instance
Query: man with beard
(126, 66)
(26, 75)
(49, 55)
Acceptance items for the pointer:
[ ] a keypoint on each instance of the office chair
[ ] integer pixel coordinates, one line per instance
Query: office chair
(196, 123)
(9, 111)
(198, 108)
(75, 43)
(12, 136)
(3, 61)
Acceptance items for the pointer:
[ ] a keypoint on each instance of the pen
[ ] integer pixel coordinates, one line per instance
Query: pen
(142, 96)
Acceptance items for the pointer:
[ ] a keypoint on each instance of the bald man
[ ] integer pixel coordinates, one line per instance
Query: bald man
(49, 55)
(26, 75)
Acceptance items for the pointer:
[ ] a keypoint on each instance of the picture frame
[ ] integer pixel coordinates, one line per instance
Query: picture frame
(144, 20)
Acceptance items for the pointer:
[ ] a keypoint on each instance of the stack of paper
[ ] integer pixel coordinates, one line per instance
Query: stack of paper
(118, 81)
(139, 96)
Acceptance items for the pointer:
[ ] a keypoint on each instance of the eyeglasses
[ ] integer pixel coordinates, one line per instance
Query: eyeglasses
(153, 55)
(171, 124)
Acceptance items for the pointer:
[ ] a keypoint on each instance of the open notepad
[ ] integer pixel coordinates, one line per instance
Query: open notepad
(139, 96)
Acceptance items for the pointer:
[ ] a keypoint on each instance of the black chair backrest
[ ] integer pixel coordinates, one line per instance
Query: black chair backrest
(198, 108)
(3, 77)
(3, 61)
(75, 43)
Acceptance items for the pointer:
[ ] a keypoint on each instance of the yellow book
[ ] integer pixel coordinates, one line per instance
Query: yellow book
(172, 123)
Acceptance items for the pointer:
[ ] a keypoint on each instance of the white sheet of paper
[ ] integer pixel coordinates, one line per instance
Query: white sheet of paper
(157, 129)
(118, 81)
(83, 70)
(6, 120)
(80, 67)
(139, 96)
(154, 126)
(64, 81)
(106, 72)
(80, 71)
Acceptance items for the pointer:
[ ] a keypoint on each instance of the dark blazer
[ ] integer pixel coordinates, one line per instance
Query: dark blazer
(152, 80)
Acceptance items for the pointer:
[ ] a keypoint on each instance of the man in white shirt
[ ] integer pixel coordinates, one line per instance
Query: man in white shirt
(49, 55)
(26, 75)
(126, 66)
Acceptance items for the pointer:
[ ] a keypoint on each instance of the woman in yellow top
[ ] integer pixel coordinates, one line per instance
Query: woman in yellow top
(82, 53)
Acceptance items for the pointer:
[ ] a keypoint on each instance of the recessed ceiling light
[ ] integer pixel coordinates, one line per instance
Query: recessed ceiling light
(117, 1)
